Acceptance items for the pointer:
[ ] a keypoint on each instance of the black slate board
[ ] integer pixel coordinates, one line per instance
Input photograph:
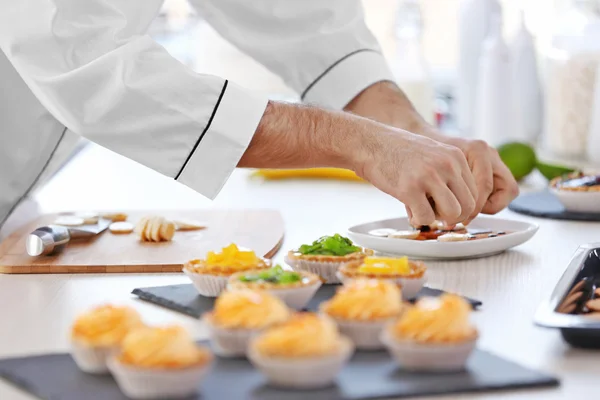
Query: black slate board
(546, 205)
(369, 375)
(185, 298)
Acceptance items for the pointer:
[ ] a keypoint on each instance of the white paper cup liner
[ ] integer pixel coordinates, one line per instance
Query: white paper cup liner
(230, 342)
(207, 285)
(92, 359)
(309, 373)
(144, 383)
(410, 286)
(428, 357)
(366, 335)
(326, 270)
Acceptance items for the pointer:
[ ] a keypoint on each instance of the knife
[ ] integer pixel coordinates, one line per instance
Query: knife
(48, 239)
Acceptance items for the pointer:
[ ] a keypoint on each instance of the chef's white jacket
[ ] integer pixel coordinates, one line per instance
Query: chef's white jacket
(86, 68)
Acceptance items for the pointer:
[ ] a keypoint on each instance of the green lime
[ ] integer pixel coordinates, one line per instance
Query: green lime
(519, 158)
(553, 171)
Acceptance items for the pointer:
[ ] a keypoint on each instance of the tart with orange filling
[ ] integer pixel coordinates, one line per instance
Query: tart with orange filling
(362, 308)
(410, 276)
(295, 288)
(159, 362)
(305, 352)
(324, 256)
(239, 315)
(434, 334)
(96, 334)
(210, 275)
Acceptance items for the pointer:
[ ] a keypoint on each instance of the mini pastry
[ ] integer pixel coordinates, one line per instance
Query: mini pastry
(210, 275)
(324, 256)
(435, 334)
(409, 275)
(577, 182)
(295, 288)
(159, 363)
(239, 315)
(98, 333)
(362, 308)
(120, 227)
(305, 352)
(155, 229)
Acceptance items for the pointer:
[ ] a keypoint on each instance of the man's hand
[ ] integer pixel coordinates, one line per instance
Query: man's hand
(496, 187)
(432, 179)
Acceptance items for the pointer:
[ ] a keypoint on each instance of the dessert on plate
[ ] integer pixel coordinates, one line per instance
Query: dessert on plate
(98, 333)
(437, 231)
(239, 315)
(409, 275)
(295, 288)
(577, 182)
(434, 334)
(362, 308)
(210, 275)
(325, 255)
(159, 363)
(305, 352)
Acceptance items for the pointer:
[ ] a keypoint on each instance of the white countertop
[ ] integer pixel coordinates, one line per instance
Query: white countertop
(37, 310)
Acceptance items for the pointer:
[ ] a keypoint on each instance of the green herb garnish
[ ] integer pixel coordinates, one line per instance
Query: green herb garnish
(335, 245)
(273, 275)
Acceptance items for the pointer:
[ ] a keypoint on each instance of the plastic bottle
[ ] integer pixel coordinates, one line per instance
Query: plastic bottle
(409, 67)
(527, 104)
(474, 21)
(494, 117)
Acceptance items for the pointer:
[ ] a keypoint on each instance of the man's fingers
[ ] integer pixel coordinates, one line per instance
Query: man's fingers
(447, 207)
(484, 178)
(421, 210)
(465, 198)
(505, 187)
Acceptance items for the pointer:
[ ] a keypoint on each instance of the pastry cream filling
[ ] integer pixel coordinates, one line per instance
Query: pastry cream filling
(431, 320)
(304, 335)
(387, 266)
(365, 300)
(168, 347)
(105, 325)
(248, 309)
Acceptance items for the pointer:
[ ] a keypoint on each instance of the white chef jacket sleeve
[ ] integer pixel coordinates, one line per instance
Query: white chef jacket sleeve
(89, 65)
(321, 48)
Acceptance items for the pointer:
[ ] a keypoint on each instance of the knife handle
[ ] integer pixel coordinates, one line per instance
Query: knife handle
(47, 239)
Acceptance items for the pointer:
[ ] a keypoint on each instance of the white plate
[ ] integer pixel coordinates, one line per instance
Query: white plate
(520, 233)
(578, 201)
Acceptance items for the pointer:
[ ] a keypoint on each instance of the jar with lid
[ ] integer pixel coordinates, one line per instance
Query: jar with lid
(572, 62)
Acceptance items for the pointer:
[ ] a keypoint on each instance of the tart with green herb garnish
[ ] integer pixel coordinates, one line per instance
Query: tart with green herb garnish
(295, 288)
(324, 256)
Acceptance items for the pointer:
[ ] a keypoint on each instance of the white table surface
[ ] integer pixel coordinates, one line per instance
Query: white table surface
(37, 310)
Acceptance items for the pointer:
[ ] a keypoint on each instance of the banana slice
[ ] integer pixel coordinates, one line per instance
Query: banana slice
(89, 218)
(167, 230)
(404, 234)
(188, 225)
(121, 227)
(155, 224)
(115, 217)
(382, 232)
(454, 237)
(69, 220)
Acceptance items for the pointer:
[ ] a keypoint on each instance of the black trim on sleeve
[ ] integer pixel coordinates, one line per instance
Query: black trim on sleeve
(203, 132)
(332, 66)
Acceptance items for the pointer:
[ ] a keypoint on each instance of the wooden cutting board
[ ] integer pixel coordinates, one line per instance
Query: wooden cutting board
(260, 230)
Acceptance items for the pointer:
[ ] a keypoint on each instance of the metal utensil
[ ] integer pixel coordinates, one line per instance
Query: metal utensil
(48, 239)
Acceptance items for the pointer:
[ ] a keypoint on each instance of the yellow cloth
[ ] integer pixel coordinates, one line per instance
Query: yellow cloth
(309, 173)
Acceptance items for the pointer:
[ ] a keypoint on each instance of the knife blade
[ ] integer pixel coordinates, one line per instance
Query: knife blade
(48, 239)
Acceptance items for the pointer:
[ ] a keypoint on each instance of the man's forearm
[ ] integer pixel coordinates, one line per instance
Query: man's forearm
(298, 136)
(385, 102)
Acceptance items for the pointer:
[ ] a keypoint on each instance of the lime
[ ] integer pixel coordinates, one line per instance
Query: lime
(519, 158)
(553, 171)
